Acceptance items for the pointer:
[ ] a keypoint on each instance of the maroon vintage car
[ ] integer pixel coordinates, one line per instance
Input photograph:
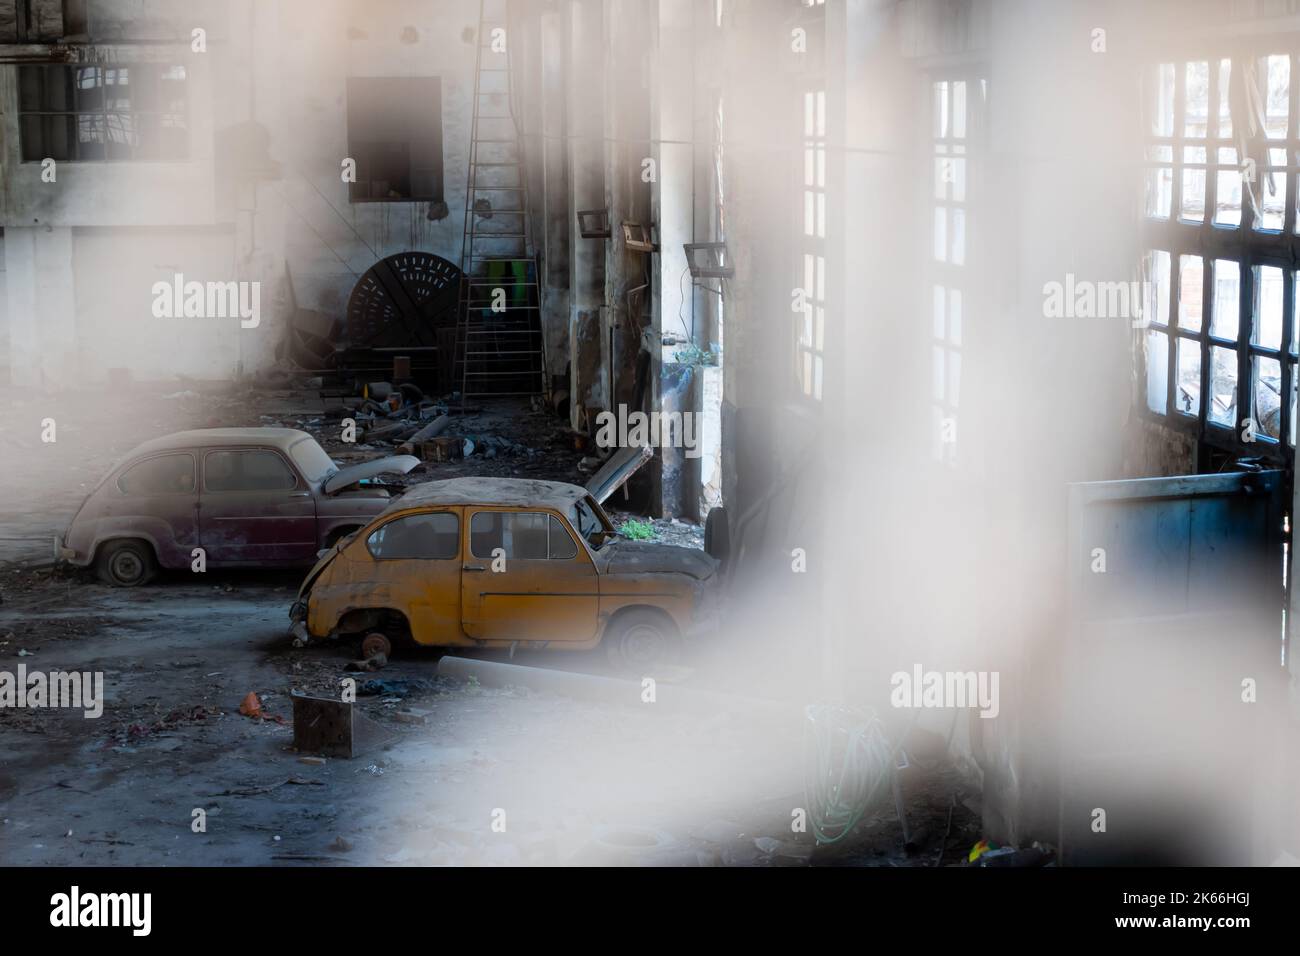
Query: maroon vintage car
(248, 497)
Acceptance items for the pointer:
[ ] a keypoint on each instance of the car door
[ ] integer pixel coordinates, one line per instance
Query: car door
(526, 578)
(417, 569)
(158, 497)
(254, 508)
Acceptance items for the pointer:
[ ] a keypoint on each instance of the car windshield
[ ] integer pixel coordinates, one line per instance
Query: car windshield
(590, 522)
(311, 460)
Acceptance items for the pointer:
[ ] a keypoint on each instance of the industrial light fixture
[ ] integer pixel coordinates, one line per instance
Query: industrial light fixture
(708, 260)
(593, 223)
(637, 238)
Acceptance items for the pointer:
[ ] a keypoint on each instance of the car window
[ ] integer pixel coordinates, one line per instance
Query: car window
(311, 459)
(425, 536)
(562, 546)
(165, 475)
(589, 525)
(522, 535)
(246, 470)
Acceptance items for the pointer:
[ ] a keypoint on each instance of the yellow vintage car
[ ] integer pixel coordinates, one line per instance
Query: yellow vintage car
(505, 563)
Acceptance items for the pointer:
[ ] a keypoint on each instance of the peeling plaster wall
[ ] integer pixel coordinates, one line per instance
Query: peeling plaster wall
(260, 192)
(330, 242)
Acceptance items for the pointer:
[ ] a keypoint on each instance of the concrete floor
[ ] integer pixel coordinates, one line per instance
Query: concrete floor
(572, 781)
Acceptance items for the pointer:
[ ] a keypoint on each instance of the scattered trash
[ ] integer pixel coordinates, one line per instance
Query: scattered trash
(251, 706)
(24, 653)
(395, 687)
(314, 761)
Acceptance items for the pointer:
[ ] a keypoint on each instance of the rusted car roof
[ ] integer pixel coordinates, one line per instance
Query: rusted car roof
(280, 438)
(491, 491)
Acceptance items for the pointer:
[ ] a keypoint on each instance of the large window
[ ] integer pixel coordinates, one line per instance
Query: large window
(1219, 352)
(955, 114)
(395, 136)
(810, 324)
(103, 113)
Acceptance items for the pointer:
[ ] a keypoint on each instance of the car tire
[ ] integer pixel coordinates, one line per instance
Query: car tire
(642, 639)
(126, 564)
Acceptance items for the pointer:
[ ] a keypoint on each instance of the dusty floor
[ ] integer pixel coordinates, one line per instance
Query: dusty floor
(490, 777)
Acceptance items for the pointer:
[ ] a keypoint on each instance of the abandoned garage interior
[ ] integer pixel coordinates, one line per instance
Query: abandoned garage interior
(768, 433)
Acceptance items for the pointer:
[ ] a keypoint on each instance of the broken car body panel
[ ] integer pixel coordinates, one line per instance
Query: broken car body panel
(246, 496)
(497, 562)
(346, 477)
(614, 474)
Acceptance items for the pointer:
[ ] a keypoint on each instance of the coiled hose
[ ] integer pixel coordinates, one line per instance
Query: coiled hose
(848, 763)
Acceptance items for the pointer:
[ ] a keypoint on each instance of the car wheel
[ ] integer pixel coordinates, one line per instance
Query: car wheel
(375, 644)
(126, 564)
(642, 639)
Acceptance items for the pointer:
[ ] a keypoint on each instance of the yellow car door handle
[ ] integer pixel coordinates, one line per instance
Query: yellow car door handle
(472, 567)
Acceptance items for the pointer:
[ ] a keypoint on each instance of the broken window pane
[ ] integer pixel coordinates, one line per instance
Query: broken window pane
(1227, 299)
(1160, 187)
(1225, 109)
(1190, 288)
(1277, 82)
(1156, 305)
(1272, 200)
(1268, 307)
(1157, 371)
(1295, 328)
(1162, 119)
(1188, 394)
(1227, 205)
(1193, 204)
(941, 110)
(1197, 97)
(1223, 387)
(1268, 396)
(1291, 430)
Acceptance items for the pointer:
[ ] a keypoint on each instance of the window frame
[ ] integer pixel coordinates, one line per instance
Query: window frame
(957, 280)
(298, 484)
(452, 512)
(1249, 247)
(117, 482)
(104, 112)
(574, 539)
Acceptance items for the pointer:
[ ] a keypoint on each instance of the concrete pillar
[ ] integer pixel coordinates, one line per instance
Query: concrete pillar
(558, 228)
(586, 106)
(671, 123)
(41, 306)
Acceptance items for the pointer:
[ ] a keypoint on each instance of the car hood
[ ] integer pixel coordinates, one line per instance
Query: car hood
(633, 557)
(392, 465)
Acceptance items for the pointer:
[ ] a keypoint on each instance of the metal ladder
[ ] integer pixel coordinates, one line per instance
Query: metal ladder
(499, 347)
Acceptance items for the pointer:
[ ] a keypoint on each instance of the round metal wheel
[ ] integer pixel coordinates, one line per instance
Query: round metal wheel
(375, 644)
(402, 300)
(125, 564)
